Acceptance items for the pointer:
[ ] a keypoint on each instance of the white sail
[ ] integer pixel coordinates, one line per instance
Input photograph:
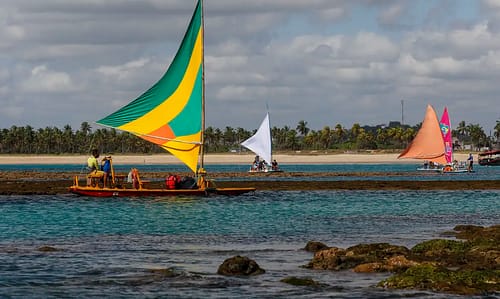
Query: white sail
(260, 142)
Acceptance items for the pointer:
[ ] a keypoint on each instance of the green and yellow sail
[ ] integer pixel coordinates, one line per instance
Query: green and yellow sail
(170, 113)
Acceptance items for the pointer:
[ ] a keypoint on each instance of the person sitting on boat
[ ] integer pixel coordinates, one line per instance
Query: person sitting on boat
(172, 181)
(262, 165)
(133, 177)
(93, 166)
(255, 166)
(448, 168)
(274, 165)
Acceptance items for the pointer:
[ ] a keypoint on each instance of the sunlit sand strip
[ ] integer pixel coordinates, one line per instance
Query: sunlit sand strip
(220, 159)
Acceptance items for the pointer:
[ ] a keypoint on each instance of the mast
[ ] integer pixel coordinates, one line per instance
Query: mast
(202, 150)
(402, 115)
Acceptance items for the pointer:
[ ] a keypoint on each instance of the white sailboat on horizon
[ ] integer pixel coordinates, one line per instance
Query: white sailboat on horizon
(260, 143)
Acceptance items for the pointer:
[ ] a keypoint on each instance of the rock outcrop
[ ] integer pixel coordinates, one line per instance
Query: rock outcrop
(239, 266)
(470, 266)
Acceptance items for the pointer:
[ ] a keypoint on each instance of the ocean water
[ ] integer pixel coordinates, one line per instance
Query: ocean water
(109, 248)
(343, 171)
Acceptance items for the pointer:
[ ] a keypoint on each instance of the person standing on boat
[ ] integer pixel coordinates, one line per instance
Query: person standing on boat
(470, 161)
(106, 168)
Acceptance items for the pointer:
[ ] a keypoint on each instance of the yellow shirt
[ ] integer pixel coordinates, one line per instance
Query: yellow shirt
(92, 163)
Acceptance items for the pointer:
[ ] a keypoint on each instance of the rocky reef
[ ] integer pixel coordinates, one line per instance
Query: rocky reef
(468, 266)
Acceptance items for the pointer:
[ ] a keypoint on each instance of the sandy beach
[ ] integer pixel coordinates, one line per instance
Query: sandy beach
(219, 159)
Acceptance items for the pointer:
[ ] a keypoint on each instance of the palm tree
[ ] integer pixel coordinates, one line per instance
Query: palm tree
(228, 136)
(302, 128)
(477, 135)
(68, 139)
(85, 128)
(209, 139)
(365, 140)
(326, 137)
(461, 131)
(497, 131)
(291, 140)
(339, 133)
(241, 135)
(396, 135)
(408, 135)
(381, 137)
(355, 130)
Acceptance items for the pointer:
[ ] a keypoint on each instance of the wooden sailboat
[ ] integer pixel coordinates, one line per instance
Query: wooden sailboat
(451, 166)
(170, 114)
(428, 144)
(260, 143)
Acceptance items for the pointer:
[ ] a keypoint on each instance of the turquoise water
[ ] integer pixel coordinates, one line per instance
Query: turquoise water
(108, 247)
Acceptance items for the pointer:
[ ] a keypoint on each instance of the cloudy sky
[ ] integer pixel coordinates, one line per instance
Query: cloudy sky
(322, 61)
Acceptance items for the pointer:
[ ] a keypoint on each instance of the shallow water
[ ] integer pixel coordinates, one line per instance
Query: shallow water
(109, 247)
(342, 172)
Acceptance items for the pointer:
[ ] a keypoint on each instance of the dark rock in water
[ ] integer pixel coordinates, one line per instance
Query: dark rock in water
(478, 233)
(314, 246)
(47, 249)
(377, 250)
(437, 278)
(340, 259)
(297, 281)
(239, 265)
(164, 272)
(327, 259)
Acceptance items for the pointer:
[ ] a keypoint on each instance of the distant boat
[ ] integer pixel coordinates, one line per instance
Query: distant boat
(489, 158)
(428, 144)
(170, 114)
(261, 144)
(452, 166)
(433, 144)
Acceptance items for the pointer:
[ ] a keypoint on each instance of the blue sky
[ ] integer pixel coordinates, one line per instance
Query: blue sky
(322, 61)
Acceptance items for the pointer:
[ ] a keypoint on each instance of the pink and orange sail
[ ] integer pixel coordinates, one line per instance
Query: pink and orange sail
(171, 112)
(428, 143)
(445, 126)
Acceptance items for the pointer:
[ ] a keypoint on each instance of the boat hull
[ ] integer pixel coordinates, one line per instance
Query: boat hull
(489, 162)
(429, 169)
(264, 171)
(456, 171)
(123, 192)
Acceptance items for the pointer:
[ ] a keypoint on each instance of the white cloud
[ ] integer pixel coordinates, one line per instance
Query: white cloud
(44, 80)
(492, 3)
(392, 13)
(121, 72)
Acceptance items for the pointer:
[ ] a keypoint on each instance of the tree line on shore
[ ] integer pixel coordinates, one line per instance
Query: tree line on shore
(395, 136)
